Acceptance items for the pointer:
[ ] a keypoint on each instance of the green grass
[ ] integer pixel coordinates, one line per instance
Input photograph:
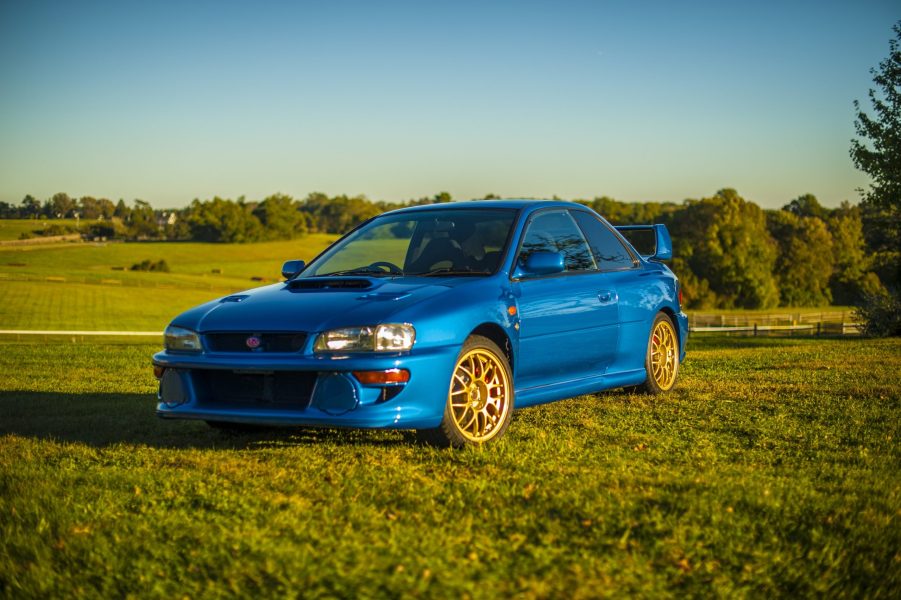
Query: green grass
(84, 292)
(190, 263)
(11, 229)
(773, 469)
(44, 305)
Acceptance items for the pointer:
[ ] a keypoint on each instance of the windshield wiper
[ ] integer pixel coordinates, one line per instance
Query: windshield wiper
(449, 271)
(372, 272)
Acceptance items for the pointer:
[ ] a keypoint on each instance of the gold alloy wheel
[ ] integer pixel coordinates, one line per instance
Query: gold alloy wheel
(479, 395)
(664, 354)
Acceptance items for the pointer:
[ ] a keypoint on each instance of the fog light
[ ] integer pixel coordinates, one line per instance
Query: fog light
(158, 371)
(172, 388)
(382, 377)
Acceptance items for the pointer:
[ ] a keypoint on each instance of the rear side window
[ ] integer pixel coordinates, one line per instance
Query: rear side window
(557, 232)
(609, 252)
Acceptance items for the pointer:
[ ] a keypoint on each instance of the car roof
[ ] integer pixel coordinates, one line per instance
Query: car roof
(515, 203)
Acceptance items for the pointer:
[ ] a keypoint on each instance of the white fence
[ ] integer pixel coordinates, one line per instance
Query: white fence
(784, 324)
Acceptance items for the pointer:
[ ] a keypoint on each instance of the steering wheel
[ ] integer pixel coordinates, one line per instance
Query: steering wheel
(384, 264)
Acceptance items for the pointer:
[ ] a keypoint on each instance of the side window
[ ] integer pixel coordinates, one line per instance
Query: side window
(610, 253)
(557, 232)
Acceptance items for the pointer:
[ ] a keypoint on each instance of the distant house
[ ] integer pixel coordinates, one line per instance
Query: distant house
(165, 218)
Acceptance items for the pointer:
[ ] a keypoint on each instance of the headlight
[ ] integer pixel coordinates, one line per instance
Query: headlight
(391, 337)
(179, 338)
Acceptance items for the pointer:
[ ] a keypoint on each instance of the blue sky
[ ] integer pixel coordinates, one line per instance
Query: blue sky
(635, 100)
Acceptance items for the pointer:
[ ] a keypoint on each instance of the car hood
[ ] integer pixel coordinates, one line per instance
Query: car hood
(311, 304)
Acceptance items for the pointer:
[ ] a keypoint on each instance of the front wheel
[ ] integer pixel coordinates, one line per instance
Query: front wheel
(479, 398)
(662, 359)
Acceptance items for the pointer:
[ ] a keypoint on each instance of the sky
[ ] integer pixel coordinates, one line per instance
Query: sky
(639, 101)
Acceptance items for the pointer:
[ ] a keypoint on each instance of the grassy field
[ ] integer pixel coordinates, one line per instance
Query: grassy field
(90, 286)
(773, 469)
(12, 229)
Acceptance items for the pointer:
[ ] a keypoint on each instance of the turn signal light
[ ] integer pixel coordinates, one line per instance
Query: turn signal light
(382, 377)
(158, 371)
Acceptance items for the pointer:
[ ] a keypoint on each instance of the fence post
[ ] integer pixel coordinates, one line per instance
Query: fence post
(819, 325)
(755, 329)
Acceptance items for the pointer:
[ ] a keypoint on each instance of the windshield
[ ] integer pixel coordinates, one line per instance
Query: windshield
(428, 242)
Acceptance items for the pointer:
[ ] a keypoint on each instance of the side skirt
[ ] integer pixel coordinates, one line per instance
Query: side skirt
(569, 389)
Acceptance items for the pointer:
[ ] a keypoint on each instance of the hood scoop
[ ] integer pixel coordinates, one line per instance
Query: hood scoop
(330, 284)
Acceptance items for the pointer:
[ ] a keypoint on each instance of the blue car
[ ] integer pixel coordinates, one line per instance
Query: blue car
(438, 318)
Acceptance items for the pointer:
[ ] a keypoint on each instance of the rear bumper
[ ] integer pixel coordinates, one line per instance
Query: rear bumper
(682, 321)
(312, 390)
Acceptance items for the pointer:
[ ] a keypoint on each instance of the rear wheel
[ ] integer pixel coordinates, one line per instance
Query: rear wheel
(479, 398)
(662, 360)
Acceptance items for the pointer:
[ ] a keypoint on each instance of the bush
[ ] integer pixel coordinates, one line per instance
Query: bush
(56, 229)
(148, 265)
(880, 315)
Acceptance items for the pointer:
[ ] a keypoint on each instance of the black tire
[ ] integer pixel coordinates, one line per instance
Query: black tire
(486, 395)
(661, 361)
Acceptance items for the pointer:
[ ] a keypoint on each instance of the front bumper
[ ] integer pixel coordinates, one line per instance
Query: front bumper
(292, 389)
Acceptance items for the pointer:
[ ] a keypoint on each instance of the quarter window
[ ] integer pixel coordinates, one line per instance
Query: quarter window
(557, 232)
(609, 252)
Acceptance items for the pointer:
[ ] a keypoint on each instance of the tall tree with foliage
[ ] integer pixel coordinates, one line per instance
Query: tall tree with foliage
(878, 154)
(281, 218)
(31, 207)
(851, 279)
(725, 244)
(222, 220)
(804, 264)
(60, 206)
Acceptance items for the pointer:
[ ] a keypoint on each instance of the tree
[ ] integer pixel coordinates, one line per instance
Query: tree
(878, 154)
(31, 207)
(851, 279)
(806, 206)
(90, 207)
(222, 220)
(143, 223)
(724, 243)
(122, 211)
(107, 208)
(280, 217)
(61, 206)
(338, 214)
(805, 261)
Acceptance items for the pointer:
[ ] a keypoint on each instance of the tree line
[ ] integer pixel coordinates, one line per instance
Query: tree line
(729, 252)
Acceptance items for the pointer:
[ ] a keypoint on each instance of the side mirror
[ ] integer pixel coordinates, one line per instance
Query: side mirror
(292, 268)
(542, 263)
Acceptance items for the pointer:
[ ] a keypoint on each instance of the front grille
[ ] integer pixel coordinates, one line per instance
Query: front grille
(272, 389)
(269, 342)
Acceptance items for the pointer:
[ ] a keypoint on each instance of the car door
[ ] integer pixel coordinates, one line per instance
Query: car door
(568, 320)
(623, 275)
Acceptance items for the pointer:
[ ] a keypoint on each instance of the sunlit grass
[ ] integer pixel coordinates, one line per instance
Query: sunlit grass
(235, 263)
(44, 305)
(771, 470)
(12, 229)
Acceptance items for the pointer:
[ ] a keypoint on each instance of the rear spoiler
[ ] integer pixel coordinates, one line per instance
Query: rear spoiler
(651, 241)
